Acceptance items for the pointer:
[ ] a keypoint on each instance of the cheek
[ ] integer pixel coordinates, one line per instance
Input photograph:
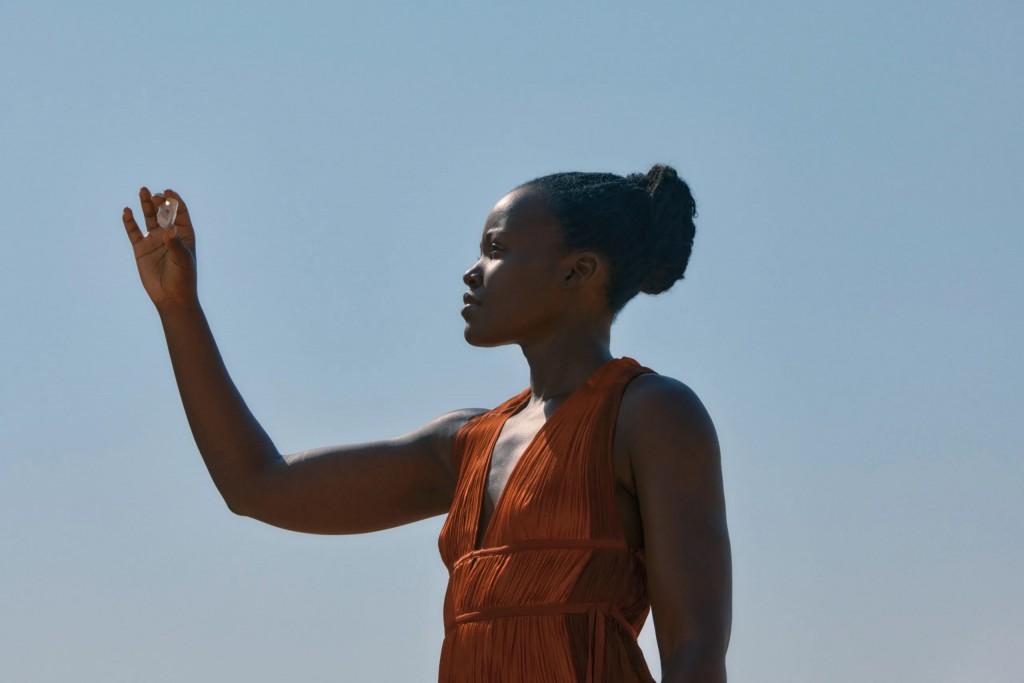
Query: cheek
(525, 299)
(513, 275)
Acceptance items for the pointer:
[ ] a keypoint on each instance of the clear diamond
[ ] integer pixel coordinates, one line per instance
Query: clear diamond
(166, 213)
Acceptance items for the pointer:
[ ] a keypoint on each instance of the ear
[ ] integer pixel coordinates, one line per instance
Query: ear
(583, 267)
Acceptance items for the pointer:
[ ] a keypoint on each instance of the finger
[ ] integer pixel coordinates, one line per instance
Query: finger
(181, 254)
(182, 208)
(158, 201)
(148, 208)
(182, 221)
(130, 226)
(170, 237)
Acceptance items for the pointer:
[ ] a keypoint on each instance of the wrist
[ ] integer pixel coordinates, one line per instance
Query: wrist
(179, 307)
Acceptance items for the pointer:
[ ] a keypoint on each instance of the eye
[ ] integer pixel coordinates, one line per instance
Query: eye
(494, 248)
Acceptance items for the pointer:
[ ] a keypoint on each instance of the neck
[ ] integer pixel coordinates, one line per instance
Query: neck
(563, 362)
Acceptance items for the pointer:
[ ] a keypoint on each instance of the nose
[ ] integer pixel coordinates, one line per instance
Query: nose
(472, 276)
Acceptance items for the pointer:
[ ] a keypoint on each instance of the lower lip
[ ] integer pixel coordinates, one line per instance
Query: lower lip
(466, 308)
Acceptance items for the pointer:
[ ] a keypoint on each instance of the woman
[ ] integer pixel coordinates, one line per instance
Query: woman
(575, 506)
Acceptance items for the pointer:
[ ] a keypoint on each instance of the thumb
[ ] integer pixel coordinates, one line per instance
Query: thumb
(174, 244)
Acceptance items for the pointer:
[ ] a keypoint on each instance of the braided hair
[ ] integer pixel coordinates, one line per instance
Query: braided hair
(642, 223)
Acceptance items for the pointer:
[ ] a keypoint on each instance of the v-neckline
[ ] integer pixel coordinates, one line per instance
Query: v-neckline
(482, 533)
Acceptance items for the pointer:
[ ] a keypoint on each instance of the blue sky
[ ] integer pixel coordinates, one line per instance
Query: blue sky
(851, 316)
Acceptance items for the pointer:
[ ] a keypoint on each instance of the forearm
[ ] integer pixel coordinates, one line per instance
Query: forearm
(233, 444)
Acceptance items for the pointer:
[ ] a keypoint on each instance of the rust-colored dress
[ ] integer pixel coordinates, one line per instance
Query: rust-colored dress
(554, 594)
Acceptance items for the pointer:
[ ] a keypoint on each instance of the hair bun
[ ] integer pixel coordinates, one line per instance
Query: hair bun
(642, 223)
(670, 238)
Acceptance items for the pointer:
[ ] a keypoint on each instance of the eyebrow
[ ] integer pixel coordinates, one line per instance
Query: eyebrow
(490, 234)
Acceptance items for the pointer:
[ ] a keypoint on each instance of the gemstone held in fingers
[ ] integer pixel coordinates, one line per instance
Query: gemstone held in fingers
(167, 212)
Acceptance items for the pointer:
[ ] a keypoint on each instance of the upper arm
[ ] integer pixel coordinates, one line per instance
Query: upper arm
(363, 487)
(673, 450)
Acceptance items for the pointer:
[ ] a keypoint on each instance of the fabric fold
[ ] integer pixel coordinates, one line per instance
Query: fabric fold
(554, 594)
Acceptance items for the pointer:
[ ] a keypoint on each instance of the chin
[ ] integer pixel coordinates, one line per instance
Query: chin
(475, 338)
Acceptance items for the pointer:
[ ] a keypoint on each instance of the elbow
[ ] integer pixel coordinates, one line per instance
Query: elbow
(244, 495)
(247, 502)
(239, 501)
(237, 507)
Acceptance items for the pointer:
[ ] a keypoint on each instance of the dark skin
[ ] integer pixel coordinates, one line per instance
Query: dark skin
(528, 289)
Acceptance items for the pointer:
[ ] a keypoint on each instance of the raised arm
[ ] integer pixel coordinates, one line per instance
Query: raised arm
(345, 489)
(676, 464)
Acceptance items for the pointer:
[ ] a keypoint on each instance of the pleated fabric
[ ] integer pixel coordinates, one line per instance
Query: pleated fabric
(554, 594)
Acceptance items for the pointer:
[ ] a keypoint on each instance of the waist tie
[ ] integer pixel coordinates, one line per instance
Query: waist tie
(596, 611)
(551, 544)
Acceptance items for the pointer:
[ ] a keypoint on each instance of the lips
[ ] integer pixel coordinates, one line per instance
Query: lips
(468, 299)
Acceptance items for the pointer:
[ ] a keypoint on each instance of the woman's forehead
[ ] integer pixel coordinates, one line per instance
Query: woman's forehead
(522, 210)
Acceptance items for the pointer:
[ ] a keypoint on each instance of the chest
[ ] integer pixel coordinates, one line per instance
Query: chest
(515, 437)
(518, 432)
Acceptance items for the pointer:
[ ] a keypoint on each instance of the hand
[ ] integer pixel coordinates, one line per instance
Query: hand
(166, 257)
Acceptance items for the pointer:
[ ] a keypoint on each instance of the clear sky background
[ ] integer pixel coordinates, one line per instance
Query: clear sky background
(851, 317)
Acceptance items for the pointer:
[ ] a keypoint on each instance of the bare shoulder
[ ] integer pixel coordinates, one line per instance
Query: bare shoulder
(440, 434)
(445, 427)
(657, 410)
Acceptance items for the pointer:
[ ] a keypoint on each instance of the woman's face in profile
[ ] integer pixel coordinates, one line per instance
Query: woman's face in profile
(515, 288)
